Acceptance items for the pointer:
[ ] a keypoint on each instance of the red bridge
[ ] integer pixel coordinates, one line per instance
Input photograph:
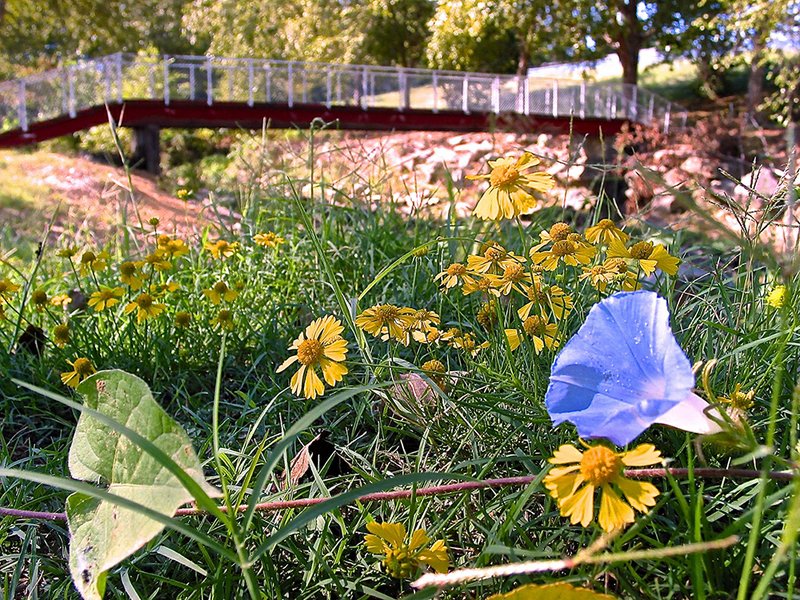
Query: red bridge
(150, 93)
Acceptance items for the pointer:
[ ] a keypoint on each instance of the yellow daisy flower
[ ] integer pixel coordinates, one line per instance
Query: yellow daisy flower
(269, 239)
(403, 559)
(570, 252)
(93, 263)
(39, 299)
(105, 297)
(81, 369)
(161, 289)
(646, 255)
(7, 288)
(145, 307)
(543, 297)
(466, 343)
(68, 252)
(510, 189)
(320, 346)
(60, 300)
(599, 276)
(453, 275)
(493, 260)
(183, 319)
(221, 248)
(777, 297)
(601, 467)
(423, 321)
(61, 335)
(558, 232)
(604, 231)
(219, 292)
(436, 372)
(157, 260)
(513, 275)
(487, 315)
(386, 320)
(172, 247)
(223, 320)
(130, 275)
(485, 285)
(539, 330)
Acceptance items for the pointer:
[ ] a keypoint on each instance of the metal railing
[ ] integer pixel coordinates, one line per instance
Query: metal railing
(118, 77)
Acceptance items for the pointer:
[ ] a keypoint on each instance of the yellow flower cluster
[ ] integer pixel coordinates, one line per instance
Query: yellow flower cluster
(404, 558)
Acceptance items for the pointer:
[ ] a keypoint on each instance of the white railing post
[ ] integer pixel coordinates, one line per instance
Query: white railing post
(519, 104)
(652, 108)
(290, 85)
(71, 80)
(191, 82)
(526, 101)
(166, 80)
(249, 82)
(268, 82)
(328, 86)
(209, 82)
(364, 88)
(634, 112)
(304, 85)
(465, 94)
(402, 84)
(583, 100)
(435, 92)
(667, 116)
(22, 106)
(496, 95)
(555, 97)
(106, 82)
(118, 65)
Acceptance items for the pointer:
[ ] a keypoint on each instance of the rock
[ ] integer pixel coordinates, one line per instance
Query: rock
(763, 180)
(698, 168)
(676, 177)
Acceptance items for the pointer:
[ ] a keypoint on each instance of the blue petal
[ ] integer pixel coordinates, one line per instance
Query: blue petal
(621, 371)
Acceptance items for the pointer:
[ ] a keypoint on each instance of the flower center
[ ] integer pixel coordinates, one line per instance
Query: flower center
(494, 254)
(39, 297)
(88, 258)
(386, 313)
(600, 465)
(641, 250)
(400, 563)
(309, 351)
(605, 224)
(534, 326)
(433, 366)
(514, 272)
(83, 366)
(220, 287)
(616, 264)
(144, 301)
(560, 231)
(503, 176)
(563, 248)
(456, 270)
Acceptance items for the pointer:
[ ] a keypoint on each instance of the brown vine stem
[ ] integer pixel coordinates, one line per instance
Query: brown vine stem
(438, 490)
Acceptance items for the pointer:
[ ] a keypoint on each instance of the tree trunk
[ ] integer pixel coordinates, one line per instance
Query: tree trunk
(629, 41)
(522, 61)
(755, 82)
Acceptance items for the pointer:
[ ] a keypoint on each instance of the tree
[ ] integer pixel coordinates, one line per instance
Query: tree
(396, 31)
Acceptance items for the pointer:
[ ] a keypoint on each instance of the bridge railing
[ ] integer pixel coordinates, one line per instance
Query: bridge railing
(214, 80)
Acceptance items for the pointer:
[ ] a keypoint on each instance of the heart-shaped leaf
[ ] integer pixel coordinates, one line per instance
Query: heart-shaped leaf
(102, 534)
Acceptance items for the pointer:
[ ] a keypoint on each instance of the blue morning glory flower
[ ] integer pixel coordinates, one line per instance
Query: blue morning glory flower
(623, 371)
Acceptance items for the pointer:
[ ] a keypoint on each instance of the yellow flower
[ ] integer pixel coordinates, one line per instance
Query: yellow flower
(172, 247)
(145, 307)
(493, 260)
(466, 343)
(777, 297)
(738, 399)
(568, 251)
(545, 296)
(81, 369)
(105, 297)
(453, 275)
(423, 321)
(61, 335)
(68, 252)
(182, 318)
(539, 330)
(7, 288)
(39, 299)
(157, 260)
(509, 193)
(270, 239)
(60, 300)
(403, 559)
(484, 284)
(224, 320)
(647, 255)
(93, 263)
(129, 274)
(160, 289)
(600, 467)
(487, 315)
(436, 372)
(599, 276)
(320, 346)
(604, 232)
(219, 292)
(558, 232)
(221, 248)
(551, 591)
(514, 273)
(386, 320)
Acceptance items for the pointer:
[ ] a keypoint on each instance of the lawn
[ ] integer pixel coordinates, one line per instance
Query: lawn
(433, 346)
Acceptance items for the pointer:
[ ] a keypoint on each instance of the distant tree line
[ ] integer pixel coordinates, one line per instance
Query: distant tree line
(479, 35)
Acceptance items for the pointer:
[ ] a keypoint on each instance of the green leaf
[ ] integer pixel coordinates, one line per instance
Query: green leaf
(103, 534)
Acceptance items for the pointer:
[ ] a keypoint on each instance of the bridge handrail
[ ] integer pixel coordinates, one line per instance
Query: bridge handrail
(71, 88)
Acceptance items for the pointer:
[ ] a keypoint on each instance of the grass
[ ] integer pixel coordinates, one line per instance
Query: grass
(489, 422)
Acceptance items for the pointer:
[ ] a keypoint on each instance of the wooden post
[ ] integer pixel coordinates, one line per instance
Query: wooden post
(147, 148)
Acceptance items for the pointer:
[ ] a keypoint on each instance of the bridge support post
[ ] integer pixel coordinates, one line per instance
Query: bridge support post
(147, 148)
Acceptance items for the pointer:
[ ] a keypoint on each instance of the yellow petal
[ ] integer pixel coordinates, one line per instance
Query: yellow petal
(641, 456)
(566, 453)
(580, 506)
(513, 338)
(313, 386)
(375, 544)
(418, 538)
(641, 494)
(287, 363)
(394, 533)
(435, 557)
(614, 513)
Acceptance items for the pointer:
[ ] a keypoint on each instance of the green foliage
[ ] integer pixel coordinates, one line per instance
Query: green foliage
(396, 31)
(103, 534)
